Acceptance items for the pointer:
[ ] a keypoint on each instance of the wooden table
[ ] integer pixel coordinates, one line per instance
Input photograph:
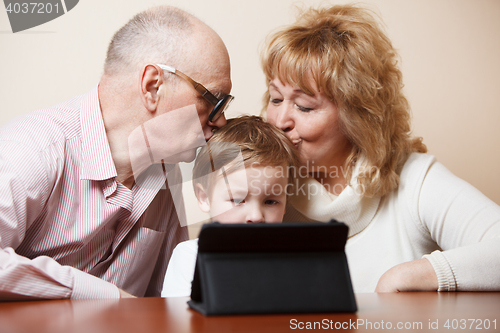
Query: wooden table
(405, 312)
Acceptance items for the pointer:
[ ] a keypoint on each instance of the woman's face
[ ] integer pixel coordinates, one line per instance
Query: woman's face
(311, 123)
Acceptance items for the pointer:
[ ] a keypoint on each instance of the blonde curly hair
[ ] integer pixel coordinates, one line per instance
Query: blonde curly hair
(351, 60)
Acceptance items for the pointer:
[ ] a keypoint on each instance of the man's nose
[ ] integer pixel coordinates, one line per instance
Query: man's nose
(221, 121)
(214, 126)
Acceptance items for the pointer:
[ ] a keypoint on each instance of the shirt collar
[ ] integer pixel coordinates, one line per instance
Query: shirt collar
(97, 161)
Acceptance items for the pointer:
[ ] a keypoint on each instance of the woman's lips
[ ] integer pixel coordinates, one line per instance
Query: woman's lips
(296, 142)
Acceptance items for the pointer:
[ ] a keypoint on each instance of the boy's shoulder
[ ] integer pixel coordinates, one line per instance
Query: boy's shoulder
(188, 247)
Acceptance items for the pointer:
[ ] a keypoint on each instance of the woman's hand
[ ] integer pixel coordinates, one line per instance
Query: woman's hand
(417, 275)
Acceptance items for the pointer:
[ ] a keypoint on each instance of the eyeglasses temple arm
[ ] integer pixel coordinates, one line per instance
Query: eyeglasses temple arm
(198, 86)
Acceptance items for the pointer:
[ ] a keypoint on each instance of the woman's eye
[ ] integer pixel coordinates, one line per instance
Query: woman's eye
(303, 108)
(271, 202)
(276, 100)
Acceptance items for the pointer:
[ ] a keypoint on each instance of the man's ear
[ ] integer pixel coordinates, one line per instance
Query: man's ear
(203, 199)
(151, 81)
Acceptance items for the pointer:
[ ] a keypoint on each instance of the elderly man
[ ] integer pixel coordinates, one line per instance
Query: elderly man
(75, 221)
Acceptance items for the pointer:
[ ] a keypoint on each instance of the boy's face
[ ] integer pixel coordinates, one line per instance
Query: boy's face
(249, 195)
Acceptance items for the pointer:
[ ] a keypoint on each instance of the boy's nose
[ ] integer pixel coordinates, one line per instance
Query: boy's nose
(255, 215)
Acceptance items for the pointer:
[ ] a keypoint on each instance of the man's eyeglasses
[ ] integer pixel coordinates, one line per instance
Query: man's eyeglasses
(220, 105)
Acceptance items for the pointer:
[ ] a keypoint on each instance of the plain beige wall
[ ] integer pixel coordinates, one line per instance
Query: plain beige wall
(450, 52)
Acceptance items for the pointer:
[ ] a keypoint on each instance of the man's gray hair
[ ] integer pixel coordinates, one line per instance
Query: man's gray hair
(156, 35)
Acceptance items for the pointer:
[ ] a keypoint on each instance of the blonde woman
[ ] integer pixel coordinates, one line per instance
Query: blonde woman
(336, 91)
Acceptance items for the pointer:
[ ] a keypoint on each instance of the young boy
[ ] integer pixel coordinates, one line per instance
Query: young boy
(241, 176)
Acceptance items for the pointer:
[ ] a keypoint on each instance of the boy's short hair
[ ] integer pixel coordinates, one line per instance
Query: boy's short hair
(259, 143)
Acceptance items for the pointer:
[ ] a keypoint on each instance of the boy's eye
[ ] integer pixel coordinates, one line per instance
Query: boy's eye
(271, 202)
(238, 201)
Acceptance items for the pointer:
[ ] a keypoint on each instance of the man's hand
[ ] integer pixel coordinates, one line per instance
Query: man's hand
(417, 275)
(124, 294)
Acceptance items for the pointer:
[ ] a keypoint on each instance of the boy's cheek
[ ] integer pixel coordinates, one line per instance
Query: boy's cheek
(226, 213)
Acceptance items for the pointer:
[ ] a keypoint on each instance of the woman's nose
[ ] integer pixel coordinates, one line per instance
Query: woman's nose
(283, 118)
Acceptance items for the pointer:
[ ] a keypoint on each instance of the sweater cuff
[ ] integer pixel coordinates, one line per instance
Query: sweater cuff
(89, 286)
(444, 271)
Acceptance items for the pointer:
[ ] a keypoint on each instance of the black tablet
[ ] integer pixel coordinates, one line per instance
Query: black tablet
(272, 268)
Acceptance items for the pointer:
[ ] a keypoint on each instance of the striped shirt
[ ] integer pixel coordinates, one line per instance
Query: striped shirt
(68, 229)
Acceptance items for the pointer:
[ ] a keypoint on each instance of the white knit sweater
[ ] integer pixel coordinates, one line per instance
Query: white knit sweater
(432, 214)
